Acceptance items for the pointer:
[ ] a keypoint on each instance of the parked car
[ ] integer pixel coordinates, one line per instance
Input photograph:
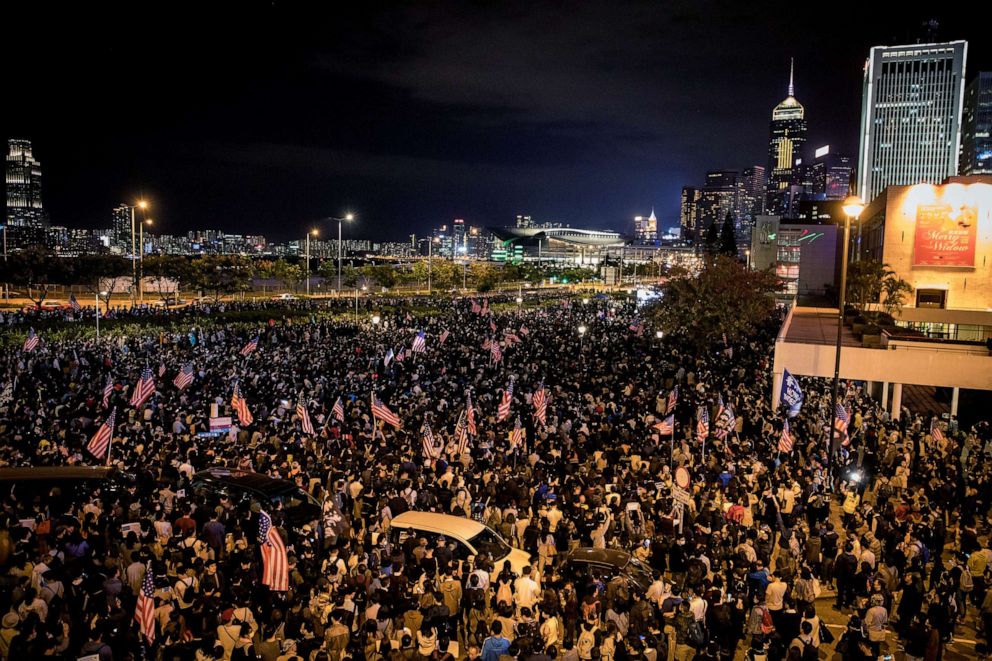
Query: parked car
(61, 487)
(46, 306)
(584, 562)
(472, 538)
(284, 297)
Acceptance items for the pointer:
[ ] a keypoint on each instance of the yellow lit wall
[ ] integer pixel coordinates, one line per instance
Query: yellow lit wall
(968, 286)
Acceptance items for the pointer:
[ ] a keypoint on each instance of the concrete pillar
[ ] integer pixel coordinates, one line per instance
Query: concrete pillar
(885, 395)
(776, 390)
(896, 409)
(954, 401)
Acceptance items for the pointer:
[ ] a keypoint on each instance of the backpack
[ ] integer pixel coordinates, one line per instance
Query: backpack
(587, 640)
(924, 552)
(965, 582)
(697, 636)
(767, 626)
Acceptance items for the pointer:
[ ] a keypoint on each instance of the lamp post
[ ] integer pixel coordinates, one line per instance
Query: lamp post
(314, 233)
(582, 334)
(349, 217)
(853, 206)
(97, 296)
(134, 266)
(141, 257)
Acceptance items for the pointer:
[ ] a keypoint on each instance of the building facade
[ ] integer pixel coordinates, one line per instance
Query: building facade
(688, 212)
(26, 221)
(719, 196)
(802, 255)
(646, 227)
(911, 115)
(787, 137)
(976, 138)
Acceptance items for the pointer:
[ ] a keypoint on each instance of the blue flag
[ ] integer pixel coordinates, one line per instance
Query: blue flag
(792, 394)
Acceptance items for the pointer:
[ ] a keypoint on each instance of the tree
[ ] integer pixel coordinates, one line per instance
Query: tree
(728, 238)
(102, 275)
(35, 270)
(712, 240)
(168, 274)
(221, 275)
(484, 275)
(383, 275)
(724, 298)
(867, 280)
(287, 273)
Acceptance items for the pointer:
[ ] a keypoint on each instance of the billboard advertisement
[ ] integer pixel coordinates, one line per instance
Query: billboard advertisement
(945, 235)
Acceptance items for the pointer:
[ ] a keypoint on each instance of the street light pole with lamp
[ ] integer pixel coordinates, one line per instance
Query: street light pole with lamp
(853, 206)
(134, 265)
(141, 257)
(349, 217)
(307, 258)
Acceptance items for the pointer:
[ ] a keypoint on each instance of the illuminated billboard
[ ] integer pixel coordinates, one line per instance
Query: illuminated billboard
(945, 235)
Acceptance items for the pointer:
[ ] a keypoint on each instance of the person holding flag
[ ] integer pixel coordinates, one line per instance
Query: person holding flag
(791, 394)
(275, 563)
(338, 410)
(240, 406)
(540, 403)
(503, 411)
(100, 443)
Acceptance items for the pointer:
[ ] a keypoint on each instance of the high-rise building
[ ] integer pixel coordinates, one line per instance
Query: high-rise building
(689, 212)
(459, 238)
(121, 229)
(976, 138)
(646, 227)
(26, 220)
(788, 134)
(752, 192)
(718, 197)
(910, 115)
(827, 176)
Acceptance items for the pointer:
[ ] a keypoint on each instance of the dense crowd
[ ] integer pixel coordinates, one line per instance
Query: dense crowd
(897, 531)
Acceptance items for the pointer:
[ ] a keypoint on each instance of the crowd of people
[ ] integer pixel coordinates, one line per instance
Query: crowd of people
(893, 536)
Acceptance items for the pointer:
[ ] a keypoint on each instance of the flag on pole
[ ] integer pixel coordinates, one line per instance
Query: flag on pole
(108, 390)
(144, 388)
(461, 434)
(476, 308)
(667, 426)
(275, 564)
(185, 377)
(240, 406)
(304, 416)
(470, 415)
(144, 610)
(702, 424)
(31, 343)
(444, 336)
(486, 344)
(388, 358)
(401, 355)
(161, 369)
(673, 399)
(503, 411)
(419, 343)
(338, 410)
(100, 442)
(791, 394)
(74, 304)
(249, 348)
(936, 432)
(540, 402)
(495, 352)
(785, 442)
(382, 412)
(842, 418)
(431, 450)
(517, 435)
(492, 326)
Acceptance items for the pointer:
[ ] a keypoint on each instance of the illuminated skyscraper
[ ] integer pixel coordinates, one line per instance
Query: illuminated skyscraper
(646, 227)
(689, 212)
(26, 220)
(976, 146)
(788, 134)
(910, 115)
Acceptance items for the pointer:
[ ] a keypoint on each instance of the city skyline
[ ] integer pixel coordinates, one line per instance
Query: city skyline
(372, 116)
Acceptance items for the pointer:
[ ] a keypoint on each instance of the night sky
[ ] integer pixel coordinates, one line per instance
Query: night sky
(262, 117)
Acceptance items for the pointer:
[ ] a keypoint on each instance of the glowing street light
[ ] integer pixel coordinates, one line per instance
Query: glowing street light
(659, 334)
(376, 319)
(582, 330)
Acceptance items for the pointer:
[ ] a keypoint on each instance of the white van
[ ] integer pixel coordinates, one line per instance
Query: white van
(473, 538)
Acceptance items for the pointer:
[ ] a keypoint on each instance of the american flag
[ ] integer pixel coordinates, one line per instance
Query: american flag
(161, 370)
(842, 418)
(304, 416)
(512, 338)
(419, 343)
(524, 331)
(719, 407)
(74, 304)
(485, 306)
(444, 336)
(785, 442)
(31, 343)
(100, 442)
(407, 318)
(249, 348)
(702, 424)
(144, 388)
(486, 344)
(338, 410)
(401, 355)
(667, 426)
(936, 432)
(503, 411)
(492, 326)
(144, 610)
(185, 377)
(673, 399)
(275, 564)
(540, 401)
(240, 406)
(725, 422)
(431, 450)
(517, 435)
(461, 434)
(637, 327)
(387, 358)
(470, 415)
(108, 390)
(495, 352)
(382, 412)
(476, 308)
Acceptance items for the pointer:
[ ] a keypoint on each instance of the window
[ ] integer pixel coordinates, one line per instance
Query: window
(931, 298)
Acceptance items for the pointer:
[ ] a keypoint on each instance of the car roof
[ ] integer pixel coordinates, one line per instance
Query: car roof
(244, 480)
(444, 524)
(602, 556)
(55, 473)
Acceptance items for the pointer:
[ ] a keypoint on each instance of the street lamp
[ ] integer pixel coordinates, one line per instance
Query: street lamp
(314, 233)
(143, 205)
(97, 301)
(520, 300)
(349, 217)
(853, 206)
(141, 256)
(376, 319)
(582, 330)
(659, 334)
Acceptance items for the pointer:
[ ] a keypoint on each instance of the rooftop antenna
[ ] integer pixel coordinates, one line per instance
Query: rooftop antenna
(792, 88)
